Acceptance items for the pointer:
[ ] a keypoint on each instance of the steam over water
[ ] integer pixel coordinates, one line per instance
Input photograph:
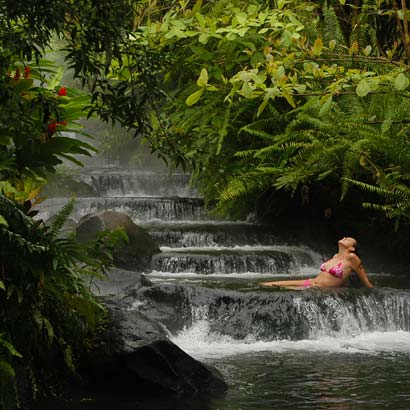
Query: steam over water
(342, 349)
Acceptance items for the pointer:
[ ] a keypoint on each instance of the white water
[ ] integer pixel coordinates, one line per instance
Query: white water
(199, 343)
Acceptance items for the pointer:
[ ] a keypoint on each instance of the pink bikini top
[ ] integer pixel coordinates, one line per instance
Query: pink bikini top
(336, 271)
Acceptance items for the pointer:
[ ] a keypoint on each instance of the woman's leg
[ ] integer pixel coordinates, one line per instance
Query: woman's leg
(289, 283)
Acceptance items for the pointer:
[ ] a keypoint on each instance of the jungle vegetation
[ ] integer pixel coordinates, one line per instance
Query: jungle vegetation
(266, 102)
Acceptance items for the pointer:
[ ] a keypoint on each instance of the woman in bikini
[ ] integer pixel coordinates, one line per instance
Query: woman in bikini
(334, 272)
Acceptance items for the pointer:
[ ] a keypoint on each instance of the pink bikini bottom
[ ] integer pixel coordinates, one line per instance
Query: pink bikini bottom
(306, 283)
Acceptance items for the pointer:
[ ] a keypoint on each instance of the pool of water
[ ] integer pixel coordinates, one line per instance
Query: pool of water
(315, 380)
(365, 371)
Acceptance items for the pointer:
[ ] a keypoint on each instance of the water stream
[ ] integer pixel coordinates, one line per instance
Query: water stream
(343, 349)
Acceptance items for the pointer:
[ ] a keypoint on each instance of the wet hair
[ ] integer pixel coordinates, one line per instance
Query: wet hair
(357, 249)
(354, 281)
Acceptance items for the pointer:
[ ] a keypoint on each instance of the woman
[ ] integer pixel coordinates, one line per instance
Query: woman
(334, 272)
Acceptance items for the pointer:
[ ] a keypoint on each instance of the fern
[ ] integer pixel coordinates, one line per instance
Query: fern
(61, 218)
(8, 388)
(332, 29)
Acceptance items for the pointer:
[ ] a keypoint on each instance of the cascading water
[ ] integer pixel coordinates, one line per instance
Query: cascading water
(313, 349)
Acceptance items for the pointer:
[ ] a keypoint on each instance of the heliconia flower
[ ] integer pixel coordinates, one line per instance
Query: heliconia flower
(62, 91)
(17, 74)
(26, 71)
(52, 128)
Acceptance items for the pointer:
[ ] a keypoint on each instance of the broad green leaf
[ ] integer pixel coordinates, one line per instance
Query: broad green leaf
(354, 48)
(2, 286)
(211, 88)
(3, 221)
(23, 85)
(247, 91)
(197, 7)
(367, 50)
(401, 82)
(49, 329)
(264, 103)
(203, 38)
(332, 44)
(289, 98)
(194, 97)
(203, 78)
(201, 20)
(363, 88)
(5, 140)
(325, 108)
(10, 348)
(317, 46)
(280, 73)
(56, 79)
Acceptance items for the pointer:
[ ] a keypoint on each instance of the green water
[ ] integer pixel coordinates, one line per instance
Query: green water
(316, 380)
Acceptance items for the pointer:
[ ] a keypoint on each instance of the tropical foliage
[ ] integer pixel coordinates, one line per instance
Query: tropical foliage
(47, 310)
(259, 99)
(48, 314)
(277, 96)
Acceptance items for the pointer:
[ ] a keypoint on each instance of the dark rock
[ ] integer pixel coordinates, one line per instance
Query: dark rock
(117, 280)
(141, 246)
(135, 354)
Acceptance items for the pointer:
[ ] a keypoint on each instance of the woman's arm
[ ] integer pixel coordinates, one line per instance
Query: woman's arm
(357, 266)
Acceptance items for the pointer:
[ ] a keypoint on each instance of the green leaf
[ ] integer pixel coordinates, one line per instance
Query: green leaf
(194, 98)
(10, 348)
(317, 46)
(401, 82)
(247, 91)
(367, 50)
(325, 108)
(203, 78)
(23, 85)
(289, 98)
(2, 286)
(363, 88)
(197, 7)
(56, 79)
(3, 221)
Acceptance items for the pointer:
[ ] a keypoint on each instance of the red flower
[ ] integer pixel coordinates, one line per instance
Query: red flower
(26, 72)
(17, 75)
(52, 128)
(62, 91)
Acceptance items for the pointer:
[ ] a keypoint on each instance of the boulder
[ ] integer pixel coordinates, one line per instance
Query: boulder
(141, 246)
(117, 280)
(135, 355)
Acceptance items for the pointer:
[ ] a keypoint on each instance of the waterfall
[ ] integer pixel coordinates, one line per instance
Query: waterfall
(205, 288)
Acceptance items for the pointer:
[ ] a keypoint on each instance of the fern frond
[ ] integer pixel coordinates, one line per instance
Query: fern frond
(332, 29)
(247, 184)
(61, 217)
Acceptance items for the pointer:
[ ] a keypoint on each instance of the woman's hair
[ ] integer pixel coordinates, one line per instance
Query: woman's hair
(354, 281)
(357, 249)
